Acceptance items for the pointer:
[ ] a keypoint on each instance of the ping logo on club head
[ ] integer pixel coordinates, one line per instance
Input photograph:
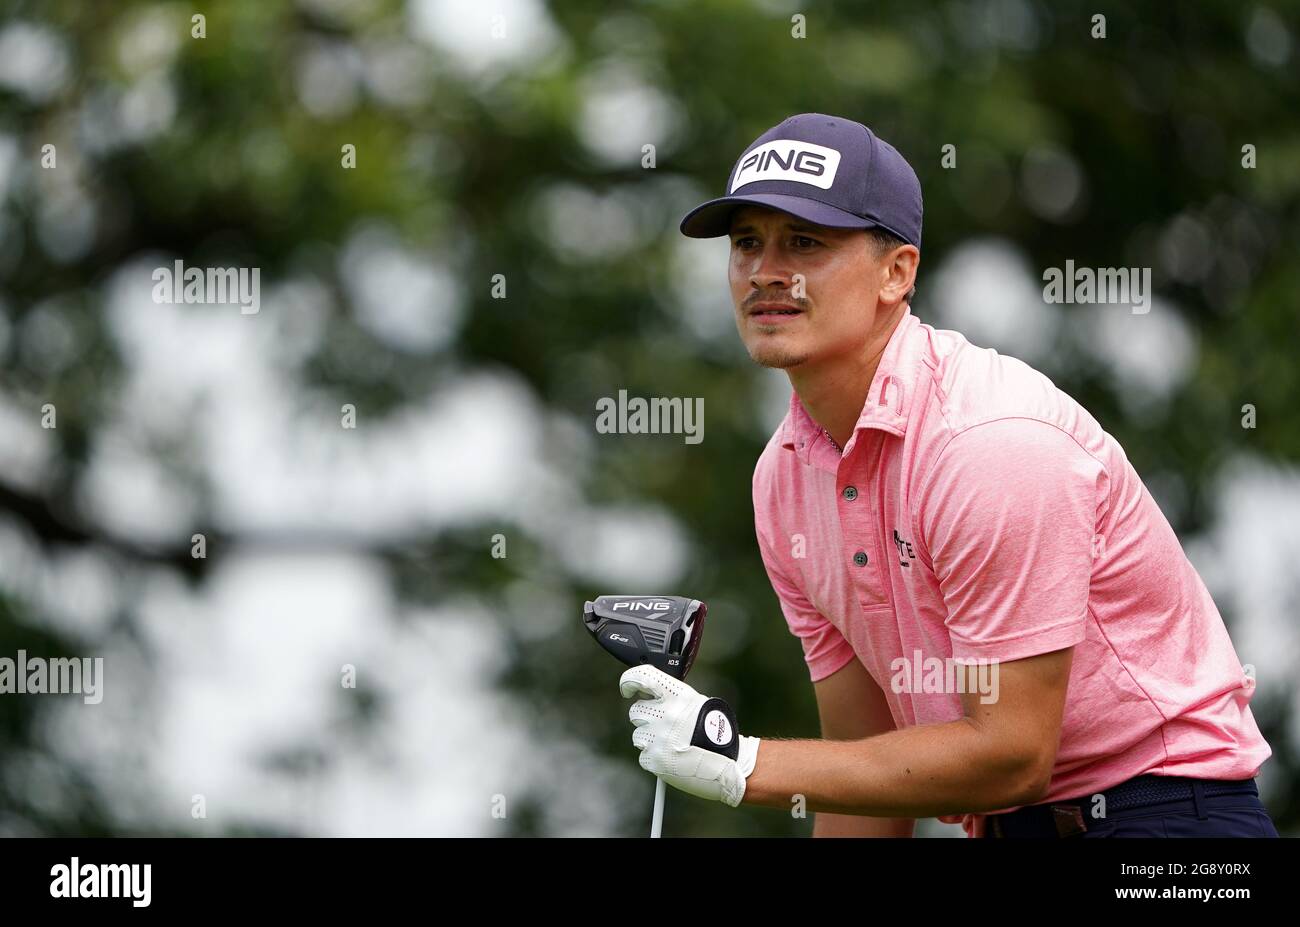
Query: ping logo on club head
(802, 162)
(620, 638)
(717, 728)
(641, 606)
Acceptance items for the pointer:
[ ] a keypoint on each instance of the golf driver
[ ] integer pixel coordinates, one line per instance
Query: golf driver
(662, 630)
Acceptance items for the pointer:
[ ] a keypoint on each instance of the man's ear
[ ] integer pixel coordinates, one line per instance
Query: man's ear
(898, 272)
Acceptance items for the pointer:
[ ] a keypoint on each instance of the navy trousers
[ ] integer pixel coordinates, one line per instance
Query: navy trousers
(1146, 806)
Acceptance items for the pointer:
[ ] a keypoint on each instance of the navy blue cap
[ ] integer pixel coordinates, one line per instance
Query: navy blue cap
(823, 169)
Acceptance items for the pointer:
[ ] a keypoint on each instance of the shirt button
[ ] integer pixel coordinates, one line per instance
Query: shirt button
(850, 493)
(860, 558)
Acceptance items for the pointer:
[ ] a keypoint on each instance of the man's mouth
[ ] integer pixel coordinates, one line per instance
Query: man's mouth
(772, 312)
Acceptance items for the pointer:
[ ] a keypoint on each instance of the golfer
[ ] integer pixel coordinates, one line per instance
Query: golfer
(1000, 625)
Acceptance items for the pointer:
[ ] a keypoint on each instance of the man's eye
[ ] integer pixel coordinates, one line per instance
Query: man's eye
(745, 241)
(803, 241)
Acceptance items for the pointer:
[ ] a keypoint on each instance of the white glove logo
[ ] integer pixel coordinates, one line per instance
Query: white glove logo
(717, 729)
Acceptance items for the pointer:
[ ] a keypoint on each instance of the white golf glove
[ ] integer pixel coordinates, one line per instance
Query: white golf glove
(688, 740)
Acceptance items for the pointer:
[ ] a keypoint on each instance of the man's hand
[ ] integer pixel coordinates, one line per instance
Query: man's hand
(973, 824)
(688, 740)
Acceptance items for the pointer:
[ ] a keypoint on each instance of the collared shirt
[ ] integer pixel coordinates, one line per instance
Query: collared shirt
(979, 513)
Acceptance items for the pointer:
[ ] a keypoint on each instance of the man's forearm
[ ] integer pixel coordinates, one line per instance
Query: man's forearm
(921, 771)
(826, 824)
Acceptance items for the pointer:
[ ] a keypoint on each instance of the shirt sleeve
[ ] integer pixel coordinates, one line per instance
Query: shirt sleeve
(824, 648)
(1009, 515)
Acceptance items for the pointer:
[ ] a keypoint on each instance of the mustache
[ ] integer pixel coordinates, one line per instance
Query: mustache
(798, 303)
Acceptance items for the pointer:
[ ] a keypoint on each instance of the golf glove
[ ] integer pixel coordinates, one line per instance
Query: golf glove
(687, 739)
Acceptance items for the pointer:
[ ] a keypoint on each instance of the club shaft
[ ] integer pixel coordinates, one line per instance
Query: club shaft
(657, 819)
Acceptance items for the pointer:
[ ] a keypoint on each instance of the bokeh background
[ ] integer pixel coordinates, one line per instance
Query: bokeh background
(501, 143)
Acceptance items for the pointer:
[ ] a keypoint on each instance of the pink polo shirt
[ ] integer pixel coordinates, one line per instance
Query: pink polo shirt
(980, 512)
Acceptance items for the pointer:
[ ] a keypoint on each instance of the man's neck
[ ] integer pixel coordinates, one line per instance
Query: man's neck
(834, 392)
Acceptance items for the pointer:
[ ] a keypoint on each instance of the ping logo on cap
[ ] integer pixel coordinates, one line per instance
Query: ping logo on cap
(802, 162)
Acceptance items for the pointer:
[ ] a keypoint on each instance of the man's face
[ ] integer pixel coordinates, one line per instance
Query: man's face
(803, 293)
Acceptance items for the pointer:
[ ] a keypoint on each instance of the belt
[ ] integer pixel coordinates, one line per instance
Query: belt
(1069, 817)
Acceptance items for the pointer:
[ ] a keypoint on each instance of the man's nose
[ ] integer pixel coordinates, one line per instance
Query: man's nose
(770, 268)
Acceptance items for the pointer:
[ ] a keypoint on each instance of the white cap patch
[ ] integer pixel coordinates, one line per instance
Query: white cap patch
(802, 162)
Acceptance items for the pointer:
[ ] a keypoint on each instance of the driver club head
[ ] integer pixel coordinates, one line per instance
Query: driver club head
(662, 630)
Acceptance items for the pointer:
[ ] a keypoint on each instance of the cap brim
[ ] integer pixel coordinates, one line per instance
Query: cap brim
(713, 219)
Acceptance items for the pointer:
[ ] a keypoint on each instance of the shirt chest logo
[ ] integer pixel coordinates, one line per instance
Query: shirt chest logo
(905, 553)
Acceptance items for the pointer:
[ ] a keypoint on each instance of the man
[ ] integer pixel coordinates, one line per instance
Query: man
(1000, 625)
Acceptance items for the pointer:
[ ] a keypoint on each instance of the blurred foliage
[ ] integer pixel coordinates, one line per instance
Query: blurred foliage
(1155, 115)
